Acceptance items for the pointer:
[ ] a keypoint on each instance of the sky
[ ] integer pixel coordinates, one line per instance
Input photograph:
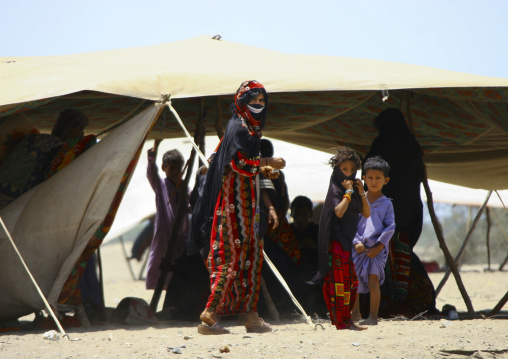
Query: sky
(467, 36)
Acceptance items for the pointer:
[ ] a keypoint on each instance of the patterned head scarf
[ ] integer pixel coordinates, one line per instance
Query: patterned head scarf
(242, 99)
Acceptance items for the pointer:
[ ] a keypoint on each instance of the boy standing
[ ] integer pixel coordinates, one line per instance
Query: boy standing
(371, 240)
(167, 196)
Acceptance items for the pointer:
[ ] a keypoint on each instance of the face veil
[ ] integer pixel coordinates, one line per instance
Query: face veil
(254, 114)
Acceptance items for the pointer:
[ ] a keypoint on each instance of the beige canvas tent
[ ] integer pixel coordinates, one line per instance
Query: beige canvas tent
(316, 101)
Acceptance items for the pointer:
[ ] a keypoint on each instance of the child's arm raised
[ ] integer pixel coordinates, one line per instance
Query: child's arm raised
(341, 208)
(365, 204)
(156, 144)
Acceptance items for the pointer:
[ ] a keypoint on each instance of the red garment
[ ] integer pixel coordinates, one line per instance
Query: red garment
(340, 286)
(236, 253)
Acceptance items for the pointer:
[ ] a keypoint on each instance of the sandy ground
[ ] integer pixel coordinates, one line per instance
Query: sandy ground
(479, 338)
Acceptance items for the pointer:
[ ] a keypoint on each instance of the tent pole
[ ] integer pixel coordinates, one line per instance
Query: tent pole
(501, 228)
(269, 301)
(464, 244)
(444, 247)
(166, 263)
(101, 276)
(499, 305)
(504, 235)
(126, 255)
(487, 214)
(218, 121)
(201, 131)
(503, 264)
(48, 307)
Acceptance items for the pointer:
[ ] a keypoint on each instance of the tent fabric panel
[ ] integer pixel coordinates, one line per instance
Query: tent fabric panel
(52, 237)
(202, 66)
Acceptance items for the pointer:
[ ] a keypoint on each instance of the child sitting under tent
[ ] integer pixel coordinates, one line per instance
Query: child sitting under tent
(36, 157)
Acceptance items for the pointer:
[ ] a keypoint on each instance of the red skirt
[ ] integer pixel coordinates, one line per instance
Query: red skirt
(340, 286)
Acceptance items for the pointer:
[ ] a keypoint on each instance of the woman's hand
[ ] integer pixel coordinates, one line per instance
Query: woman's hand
(273, 218)
(276, 162)
(270, 172)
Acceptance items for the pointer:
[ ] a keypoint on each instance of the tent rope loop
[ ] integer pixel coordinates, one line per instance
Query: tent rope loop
(165, 98)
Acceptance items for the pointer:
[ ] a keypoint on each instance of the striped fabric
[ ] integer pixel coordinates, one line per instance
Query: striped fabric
(236, 253)
(340, 286)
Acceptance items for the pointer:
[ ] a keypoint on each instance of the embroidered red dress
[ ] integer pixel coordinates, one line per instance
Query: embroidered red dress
(235, 257)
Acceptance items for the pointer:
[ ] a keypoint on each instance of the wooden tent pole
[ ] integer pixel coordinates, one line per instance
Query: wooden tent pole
(444, 248)
(269, 301)
(218, 120)
(437, 225)
(503, 264)
(504, 235)
(101, 276)
(464, 243)
(487, 214)
(499, 305)
(183, 202)
(201, 131)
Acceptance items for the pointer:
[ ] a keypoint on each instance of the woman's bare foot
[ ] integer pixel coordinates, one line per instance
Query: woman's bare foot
(356, 317)
(354, 326)
(209, 317)
(253, 320)
(369, 321)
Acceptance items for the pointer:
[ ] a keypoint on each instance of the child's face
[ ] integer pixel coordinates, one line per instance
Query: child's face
(348, 167)
(375, 180)
(172, 170)
(301, 217)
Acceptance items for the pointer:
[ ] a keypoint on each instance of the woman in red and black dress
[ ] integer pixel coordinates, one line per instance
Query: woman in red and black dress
(230, 214)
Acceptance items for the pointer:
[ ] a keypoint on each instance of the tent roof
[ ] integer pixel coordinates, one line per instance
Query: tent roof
(316, 101)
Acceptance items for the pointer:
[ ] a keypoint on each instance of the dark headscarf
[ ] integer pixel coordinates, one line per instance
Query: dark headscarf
(348, 223)
(242, 134)
(67, 120)
(399, 147)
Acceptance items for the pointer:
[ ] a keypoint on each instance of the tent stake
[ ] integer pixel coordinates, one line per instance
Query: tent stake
(48, 307)
(464, 244)
(444, 247)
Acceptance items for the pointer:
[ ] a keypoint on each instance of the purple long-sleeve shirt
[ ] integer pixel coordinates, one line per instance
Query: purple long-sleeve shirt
(167, 206)
(378, 228)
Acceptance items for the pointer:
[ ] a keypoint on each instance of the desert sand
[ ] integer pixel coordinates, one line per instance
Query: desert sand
(397, 338)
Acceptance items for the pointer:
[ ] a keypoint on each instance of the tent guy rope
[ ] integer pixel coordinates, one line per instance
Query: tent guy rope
(48, 307)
